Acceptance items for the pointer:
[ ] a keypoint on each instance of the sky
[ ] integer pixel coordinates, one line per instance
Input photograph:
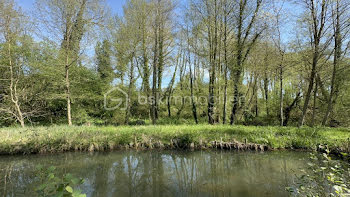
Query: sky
(115, 5)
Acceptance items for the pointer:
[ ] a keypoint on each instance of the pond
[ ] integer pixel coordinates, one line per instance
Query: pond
(161, 173)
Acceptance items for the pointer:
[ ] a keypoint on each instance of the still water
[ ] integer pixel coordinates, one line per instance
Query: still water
(160, 173)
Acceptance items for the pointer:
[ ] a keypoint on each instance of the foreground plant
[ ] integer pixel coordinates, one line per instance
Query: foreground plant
(55, 186)
(323, 177)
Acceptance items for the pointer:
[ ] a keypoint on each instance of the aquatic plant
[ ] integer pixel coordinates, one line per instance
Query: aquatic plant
(51, 185)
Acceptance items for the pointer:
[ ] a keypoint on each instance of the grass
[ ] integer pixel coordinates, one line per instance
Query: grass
(84, 138)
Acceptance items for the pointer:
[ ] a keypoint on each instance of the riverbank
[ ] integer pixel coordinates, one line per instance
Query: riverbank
(83, 138)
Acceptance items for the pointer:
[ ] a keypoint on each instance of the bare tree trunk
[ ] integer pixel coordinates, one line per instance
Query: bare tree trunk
(13, 90)
(336, 56)
(225, 86)
(194, 107)
(266, 91)
(290, 108)
(309, 90)
(318, 24)
(160, 70)
(281, 94)
(182, 73)
(256, 101)
(226, 66)
(243, 47)
(314, 106)
(237, 77)
(131, 86)
(155, 72)
(170, 90)
(69, 115)
(212, 71)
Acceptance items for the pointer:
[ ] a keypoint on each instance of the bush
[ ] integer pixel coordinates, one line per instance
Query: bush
(324, 177)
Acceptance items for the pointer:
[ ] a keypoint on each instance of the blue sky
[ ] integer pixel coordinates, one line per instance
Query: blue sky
(115, 5)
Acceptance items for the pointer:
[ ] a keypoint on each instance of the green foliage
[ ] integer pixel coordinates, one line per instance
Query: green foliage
(104, 65)
(132, 48)
(54, 186)
(323, 177)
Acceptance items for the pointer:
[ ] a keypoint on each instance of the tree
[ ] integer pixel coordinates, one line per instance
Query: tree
(279, 18)
(162, 40)
(125, 43)
(205, 18)
(69, 20)
(246, 37)
(341, 28)
(11, 30)
(317, 24)
(104, 63)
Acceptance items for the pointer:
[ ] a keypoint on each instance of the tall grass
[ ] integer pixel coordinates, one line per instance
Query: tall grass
(84, 138)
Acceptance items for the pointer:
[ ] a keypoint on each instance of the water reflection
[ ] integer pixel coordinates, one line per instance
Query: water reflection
(160, 173)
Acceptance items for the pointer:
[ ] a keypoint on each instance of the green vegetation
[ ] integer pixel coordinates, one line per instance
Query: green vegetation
(84, 138)
(213, 64)
(323, 177)
(234, 62)
(56, 186)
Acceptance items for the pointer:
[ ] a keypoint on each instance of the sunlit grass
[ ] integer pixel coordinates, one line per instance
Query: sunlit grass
(65, 138)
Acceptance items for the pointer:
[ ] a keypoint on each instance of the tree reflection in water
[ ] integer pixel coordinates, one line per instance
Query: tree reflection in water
(160, 173)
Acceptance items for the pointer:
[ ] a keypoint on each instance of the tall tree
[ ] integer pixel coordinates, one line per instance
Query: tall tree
(104, 63)
(70, 20)
(279, 19)
(341, 28)
(317, 21)
(11, 30)
(246, 36)
(205, 16)
(162, 40)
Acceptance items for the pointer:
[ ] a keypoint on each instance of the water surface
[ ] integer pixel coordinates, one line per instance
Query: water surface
(160, 173)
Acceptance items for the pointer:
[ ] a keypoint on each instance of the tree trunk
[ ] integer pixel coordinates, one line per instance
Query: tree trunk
(236, 94)
(212, 71)
(170, 91)
(336, 57)
(155, 72)
(290, 108)
(182, 73)
(281, 94)
(225, 92)
(314, 106)
(131, 86)
(309, 90)
(318, 24)
(69, 115)
(226, 66)
(13, 90)
(194, 107)
(266, 91)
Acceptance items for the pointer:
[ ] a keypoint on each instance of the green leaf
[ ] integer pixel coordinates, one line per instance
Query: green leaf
(51, 168)
(51, 176)
(289, 189)
(41, 187)
(78, 193)
(75, 181)
(69, 189)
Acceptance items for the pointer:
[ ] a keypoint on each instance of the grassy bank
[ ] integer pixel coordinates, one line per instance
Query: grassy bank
(83, 138)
